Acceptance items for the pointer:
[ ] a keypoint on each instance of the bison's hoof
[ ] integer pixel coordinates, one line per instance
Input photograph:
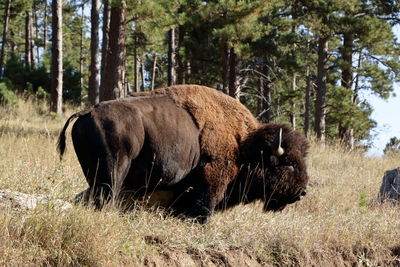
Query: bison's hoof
(82, 197)
(200, 215)
(201, 219)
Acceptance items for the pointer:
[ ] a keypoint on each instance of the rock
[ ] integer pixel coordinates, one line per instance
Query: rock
(390, 188)
(20, 201)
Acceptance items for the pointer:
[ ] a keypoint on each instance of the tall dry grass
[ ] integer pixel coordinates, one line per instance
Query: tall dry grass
(337, 223)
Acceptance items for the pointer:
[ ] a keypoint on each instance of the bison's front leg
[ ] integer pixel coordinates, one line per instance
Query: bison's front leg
(200, 205)
(203, 190)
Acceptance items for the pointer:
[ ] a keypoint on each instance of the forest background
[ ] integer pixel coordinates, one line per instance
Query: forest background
(312, 64)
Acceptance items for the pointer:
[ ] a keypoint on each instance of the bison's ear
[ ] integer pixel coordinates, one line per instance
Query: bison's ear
(276, 147)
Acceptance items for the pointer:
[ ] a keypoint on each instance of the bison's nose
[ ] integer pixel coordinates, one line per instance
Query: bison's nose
(302, 194)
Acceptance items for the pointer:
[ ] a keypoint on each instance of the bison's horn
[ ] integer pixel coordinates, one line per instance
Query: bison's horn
(277, 149)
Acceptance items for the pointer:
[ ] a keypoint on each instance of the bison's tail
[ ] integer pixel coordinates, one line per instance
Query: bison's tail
(61, 139)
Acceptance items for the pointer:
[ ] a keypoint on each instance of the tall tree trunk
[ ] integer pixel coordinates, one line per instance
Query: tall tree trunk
(171, 57)
(6, 21)
(125, 85)
(56, 57)
(114, 68)
(307, 111)
(292, 114)
(232, 73)
(94, 79)
(347, 56)
(345, 132)
(320, 103)
(45, 27)
(28, 50)
(32, 43)
(265, 90)
(81, 45)
(153, 74)
(188, 72)
(35, 26)
(357, 81)
(260, 100)
(142, 73)
(136, 63)
(12, 42)
(224, 49)
(181, 68)
(308, 102)
(104, 42)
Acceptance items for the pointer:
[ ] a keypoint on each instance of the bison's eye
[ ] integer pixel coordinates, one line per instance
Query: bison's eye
(274, 161)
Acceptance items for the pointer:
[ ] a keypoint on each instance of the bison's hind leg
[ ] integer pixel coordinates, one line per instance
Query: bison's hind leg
(103, 170)
(82, 197)
(93, 195)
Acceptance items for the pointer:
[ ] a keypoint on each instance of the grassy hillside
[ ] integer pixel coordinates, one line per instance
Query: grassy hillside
(337, 222)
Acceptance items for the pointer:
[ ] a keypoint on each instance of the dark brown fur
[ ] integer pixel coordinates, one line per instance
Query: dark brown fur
(192, 140)
(277, 180)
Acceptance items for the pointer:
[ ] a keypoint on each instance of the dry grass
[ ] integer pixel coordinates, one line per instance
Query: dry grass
(336, 223)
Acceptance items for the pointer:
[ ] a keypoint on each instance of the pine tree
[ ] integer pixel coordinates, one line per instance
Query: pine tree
(171, 57)
(345, 132)
(392, 147)
(81, 43)
(363, 49)
(320, 102)
(29, 62)
(104, 42)
(235, 23)
(153, 73)
(5, 30)
(114, 71)
(45, 26)
(94, 79)
(56, 57)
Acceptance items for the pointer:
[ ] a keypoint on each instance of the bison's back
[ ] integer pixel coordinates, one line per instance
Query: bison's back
(223, 120)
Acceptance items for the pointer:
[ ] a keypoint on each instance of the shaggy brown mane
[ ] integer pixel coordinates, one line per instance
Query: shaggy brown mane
(291, 141)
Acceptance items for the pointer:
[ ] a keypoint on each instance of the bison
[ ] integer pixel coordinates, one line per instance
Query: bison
(201, 145)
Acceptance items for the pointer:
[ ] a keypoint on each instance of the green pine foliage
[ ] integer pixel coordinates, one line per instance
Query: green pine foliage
(7, 97)
(275, 42)
(392, 147)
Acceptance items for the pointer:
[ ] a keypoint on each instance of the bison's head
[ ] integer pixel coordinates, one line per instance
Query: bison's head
(275, 154)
